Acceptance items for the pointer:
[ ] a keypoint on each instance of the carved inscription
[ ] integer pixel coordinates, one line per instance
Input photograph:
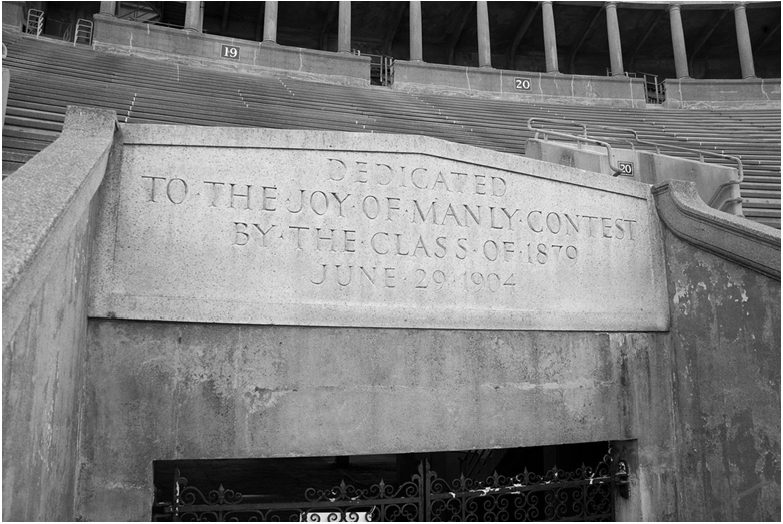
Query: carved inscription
(414, 228)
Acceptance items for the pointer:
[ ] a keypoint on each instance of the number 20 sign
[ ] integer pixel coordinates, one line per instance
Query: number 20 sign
(522, 84)
(229, 51)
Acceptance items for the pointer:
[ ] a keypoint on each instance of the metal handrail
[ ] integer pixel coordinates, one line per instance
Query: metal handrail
(35, 19)
(383, 64)
(656, 145)
(83, 30)
(651, 84)
(615, 169)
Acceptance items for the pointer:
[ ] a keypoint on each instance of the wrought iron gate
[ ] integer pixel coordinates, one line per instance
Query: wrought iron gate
(584, 494)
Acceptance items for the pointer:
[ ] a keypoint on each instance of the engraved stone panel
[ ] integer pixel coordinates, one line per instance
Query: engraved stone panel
(337, 229)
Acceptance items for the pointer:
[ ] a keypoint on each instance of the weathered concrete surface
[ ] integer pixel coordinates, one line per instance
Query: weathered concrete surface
(646, 380)
(587, 157)
(689, 93)
(42, 382)
(718, 186)
(544, 87)
(726, 342)
(170, 390)
(263, 226)
(724, 293)
(203, 50)
(749, 244)
(47, 231)
(13, 15)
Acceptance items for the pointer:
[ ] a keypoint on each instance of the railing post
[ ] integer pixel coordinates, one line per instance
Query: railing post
(424, 469)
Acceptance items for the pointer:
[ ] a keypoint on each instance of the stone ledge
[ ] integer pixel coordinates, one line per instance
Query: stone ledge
(739, 240)
(44, 200)
(690, 93)
(203, 50)
(499, 83)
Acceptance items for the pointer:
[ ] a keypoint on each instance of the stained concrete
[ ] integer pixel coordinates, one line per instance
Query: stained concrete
(546, 88)
(717, 185)
(193, 48)
(167, 391)
(48, 221)
(689, 93)
(695, 410)
(726, 343)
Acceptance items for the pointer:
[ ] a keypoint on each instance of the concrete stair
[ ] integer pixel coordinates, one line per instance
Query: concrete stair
(46, 76)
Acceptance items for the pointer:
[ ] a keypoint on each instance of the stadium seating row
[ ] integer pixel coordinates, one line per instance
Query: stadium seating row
(47, 76)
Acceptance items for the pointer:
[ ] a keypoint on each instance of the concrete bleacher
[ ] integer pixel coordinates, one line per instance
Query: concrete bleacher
(47, 76)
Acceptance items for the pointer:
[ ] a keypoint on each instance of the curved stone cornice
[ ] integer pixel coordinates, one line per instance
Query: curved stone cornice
(747, 243)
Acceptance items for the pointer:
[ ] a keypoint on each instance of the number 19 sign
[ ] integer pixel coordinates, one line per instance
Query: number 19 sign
(230, 51)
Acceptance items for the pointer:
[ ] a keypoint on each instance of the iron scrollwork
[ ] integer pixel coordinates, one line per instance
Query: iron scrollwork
(583, 494)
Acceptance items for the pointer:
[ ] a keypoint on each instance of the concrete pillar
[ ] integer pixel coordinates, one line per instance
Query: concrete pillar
(14, 14)
(482, 25)
(344, 28)
(415, 31)
(615, 47)
(270, 21)
(193, 16)
(550, 39)
(109, 8)
(678, 42)
(743, 42)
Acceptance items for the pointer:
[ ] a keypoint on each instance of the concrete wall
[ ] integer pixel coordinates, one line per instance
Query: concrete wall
(186, 391)
(725, 338)
(47, 232)
(688, 93)
(544, 87)
(193, 48)
(717, 185)
(697, 408)
(726, 341)
(13, 15)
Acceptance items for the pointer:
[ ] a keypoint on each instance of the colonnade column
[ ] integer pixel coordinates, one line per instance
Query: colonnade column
(414, 17)
(270, 21)
(615, 47)
(344, 28)
(678, 42)
(743, 42)
(109, 8)
(193, 16)
(482, 26)
(550, 39)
